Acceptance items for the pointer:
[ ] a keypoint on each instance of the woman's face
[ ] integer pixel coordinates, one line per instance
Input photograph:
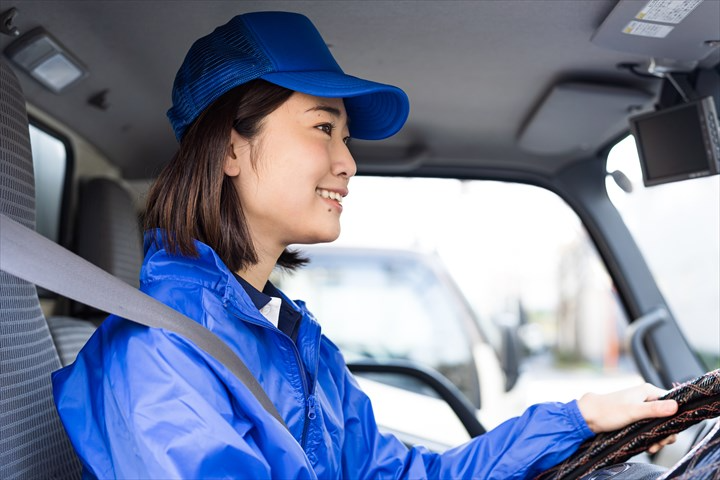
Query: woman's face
(292, 176)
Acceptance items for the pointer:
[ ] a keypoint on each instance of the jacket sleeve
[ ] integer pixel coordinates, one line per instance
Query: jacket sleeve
(176, 420)
(520, 448)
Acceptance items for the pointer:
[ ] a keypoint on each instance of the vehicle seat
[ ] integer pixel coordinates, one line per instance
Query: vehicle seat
(69, 335)
(33, 443)
(107, 231)
(107, 234)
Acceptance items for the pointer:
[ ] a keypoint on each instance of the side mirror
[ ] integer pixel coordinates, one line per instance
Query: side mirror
(510, 354)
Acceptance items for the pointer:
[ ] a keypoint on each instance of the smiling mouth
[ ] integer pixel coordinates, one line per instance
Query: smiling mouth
(328, 194)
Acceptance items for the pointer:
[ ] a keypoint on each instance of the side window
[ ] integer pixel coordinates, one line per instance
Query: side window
(677, 227)
(51, 165)
(513, 259)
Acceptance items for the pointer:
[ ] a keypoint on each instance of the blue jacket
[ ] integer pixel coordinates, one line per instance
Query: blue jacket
(146, 403)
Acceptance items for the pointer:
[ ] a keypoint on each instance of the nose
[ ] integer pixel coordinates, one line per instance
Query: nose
(343, 162)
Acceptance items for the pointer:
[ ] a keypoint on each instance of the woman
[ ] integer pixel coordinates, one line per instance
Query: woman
(263, 115)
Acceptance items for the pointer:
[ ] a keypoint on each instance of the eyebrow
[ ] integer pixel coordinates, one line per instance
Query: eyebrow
(335, 112)
(325, 108)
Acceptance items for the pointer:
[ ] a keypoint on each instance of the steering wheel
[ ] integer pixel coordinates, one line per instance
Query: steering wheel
(698, 400)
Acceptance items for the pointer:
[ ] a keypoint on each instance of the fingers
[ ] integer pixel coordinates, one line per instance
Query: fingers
(651, 392)
(611, 411)
(652, 409)
(656, 447)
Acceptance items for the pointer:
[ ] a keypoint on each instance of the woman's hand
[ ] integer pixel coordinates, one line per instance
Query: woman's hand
(604, 413)
(611, 411)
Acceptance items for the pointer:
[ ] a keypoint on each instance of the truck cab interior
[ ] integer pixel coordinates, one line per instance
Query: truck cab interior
(522, 92)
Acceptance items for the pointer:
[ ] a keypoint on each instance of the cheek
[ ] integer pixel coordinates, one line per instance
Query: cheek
(303, 174)
(286, 178)
(279, 195)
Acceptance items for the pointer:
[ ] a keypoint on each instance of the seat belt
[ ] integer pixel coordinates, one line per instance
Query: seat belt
(28, 255)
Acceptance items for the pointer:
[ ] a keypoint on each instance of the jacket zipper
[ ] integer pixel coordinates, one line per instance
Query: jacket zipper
(309, 400)
(309, 396)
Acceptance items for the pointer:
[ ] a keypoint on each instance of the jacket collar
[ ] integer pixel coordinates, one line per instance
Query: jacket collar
(207, 269)
(211, 273)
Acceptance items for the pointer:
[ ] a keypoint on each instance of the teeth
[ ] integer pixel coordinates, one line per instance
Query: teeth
(328, 194)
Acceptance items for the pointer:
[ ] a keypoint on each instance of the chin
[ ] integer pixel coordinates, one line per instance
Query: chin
(322, 237)
(329, 238)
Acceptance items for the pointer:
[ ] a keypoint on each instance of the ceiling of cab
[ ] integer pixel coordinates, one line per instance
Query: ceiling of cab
(476, 72)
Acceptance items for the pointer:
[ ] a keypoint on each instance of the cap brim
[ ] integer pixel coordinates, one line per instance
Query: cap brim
(376, 110)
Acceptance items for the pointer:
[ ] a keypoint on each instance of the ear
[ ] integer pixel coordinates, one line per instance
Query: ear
(237, 150)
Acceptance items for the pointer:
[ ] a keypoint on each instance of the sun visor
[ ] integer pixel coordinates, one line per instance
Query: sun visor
(575, 116)
(685, 32)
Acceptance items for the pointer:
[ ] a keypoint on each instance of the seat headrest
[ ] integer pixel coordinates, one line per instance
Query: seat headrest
(107, 231)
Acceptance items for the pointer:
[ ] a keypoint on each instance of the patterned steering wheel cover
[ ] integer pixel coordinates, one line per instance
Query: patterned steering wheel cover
(698, 400)
(702, 462)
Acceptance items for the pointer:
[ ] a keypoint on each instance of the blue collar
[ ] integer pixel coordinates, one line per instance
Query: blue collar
(259, 299)
(289, 321)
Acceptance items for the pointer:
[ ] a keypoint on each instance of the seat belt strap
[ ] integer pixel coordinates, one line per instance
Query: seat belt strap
(32, 257)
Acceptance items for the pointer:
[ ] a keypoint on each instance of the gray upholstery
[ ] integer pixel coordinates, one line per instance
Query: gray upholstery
(108, 235)
(107, 232)
(33, 443)
(69, 335)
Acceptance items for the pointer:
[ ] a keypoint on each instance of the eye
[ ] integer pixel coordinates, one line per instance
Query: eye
(346, 140)
(326, 127)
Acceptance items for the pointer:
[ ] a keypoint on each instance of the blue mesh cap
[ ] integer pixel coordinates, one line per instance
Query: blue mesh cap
(285, 49)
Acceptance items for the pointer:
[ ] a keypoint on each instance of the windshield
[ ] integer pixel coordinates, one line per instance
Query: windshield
(515, 259)
(677, 227)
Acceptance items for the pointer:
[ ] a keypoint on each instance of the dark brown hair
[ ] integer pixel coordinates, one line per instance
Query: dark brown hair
(193, 199)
